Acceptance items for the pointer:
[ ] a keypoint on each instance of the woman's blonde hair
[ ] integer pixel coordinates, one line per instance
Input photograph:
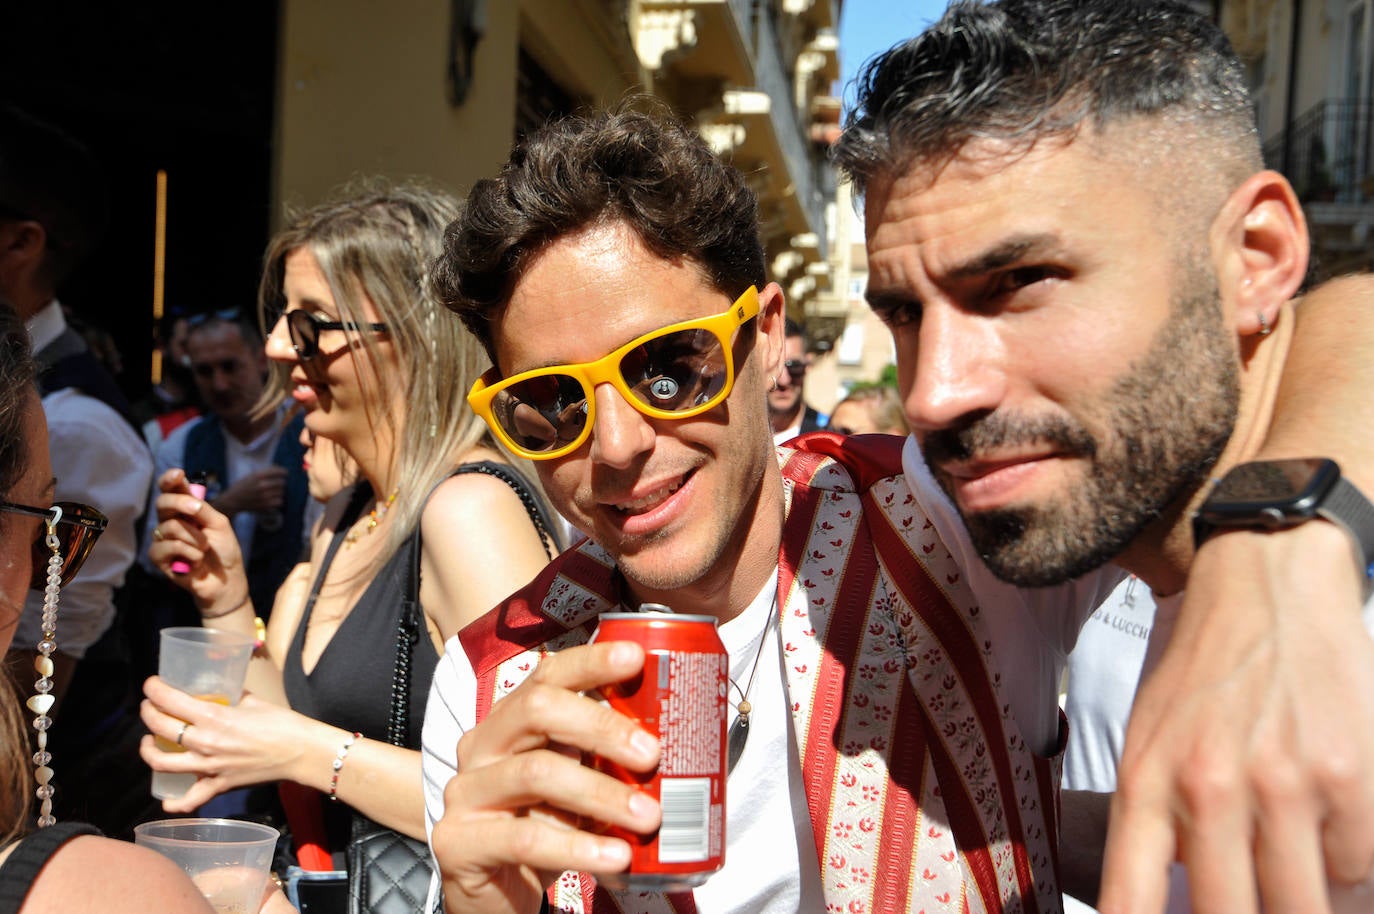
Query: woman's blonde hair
(377, 243)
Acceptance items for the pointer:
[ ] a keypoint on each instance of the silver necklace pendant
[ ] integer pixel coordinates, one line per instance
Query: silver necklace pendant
(739, 735)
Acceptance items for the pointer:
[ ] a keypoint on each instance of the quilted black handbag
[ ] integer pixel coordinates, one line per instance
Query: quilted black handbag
(388, 872)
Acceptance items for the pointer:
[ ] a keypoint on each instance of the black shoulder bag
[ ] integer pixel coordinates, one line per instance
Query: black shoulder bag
(388, 872)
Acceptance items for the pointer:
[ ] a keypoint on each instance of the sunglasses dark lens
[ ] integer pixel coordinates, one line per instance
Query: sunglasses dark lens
(305, 335)
(796, 368)
(542, 413)
(75, 541)
(676, 372)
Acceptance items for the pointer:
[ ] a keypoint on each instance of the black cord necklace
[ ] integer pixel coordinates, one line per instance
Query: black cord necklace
(739, 730)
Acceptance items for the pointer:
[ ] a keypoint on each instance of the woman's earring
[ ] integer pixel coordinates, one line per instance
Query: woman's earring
(42, 701)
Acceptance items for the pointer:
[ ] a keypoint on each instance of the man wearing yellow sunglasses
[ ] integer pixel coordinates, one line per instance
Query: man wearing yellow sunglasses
(615, 273)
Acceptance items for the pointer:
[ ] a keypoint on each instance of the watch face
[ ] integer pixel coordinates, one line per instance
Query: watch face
(1290, 488)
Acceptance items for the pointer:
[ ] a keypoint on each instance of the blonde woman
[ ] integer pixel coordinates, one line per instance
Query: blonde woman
(380, 369)
(867, 411)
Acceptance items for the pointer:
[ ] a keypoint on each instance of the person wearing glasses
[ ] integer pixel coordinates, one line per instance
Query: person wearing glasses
(615, 273)
(59, 865)
(246, 450)
(374, 360)
(51, 217)
(788, 410)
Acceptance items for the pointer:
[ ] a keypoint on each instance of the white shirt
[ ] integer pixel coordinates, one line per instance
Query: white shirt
(101, 461)
(1032, 629)
(770, 862)
(1120, 644)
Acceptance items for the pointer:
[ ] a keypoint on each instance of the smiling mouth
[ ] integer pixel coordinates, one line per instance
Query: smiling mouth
(652, 500)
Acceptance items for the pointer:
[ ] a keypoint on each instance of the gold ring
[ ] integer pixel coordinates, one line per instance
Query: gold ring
(157, 534)
(184, 727)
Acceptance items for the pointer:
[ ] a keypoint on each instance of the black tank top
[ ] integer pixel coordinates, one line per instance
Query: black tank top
(350, 686)
(21, 868)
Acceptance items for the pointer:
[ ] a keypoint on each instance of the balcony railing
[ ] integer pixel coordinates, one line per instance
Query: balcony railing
(1328, 152)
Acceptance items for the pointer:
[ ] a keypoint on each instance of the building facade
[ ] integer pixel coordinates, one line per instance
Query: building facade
(1312, 73)
(443, 89)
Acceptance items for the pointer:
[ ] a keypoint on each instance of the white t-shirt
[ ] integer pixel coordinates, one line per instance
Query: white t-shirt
(1119, 644)
(770, 867)
(771, 857)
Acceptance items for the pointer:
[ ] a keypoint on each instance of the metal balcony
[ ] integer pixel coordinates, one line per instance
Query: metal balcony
(1328, 153)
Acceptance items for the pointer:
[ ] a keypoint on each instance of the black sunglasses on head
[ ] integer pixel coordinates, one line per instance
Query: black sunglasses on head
(305, 329)
(76, 526)
(225, 315)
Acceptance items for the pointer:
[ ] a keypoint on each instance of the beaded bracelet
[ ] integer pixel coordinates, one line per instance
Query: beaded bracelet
(338, 765)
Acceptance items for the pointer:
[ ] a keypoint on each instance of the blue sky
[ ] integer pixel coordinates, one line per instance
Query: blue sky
(870, 26)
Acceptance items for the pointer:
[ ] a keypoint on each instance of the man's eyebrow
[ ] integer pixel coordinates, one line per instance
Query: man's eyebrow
(1003, 254)
(885, 302)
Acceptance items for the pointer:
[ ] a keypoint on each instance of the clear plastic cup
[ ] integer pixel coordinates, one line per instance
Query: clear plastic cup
(209, 664)
(228, 860)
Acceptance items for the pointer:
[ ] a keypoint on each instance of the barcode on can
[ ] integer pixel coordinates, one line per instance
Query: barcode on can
(685, 833)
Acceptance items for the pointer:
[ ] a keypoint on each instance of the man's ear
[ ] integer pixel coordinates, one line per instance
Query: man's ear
(23, 243)
(1261, 246)
(772, 321)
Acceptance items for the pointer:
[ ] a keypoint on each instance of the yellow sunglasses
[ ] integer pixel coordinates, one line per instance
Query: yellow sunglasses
(674, 372)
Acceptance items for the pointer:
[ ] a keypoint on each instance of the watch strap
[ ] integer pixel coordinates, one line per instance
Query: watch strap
(1346, 505)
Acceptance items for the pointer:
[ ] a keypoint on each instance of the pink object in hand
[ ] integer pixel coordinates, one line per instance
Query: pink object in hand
(179, 566)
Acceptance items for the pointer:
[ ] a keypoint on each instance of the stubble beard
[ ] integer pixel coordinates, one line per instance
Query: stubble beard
(1167, 421)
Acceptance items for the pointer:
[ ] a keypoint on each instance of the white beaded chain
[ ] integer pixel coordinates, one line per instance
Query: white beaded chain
(41, 703)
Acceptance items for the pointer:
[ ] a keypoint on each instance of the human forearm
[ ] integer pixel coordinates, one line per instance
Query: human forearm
(1082, 836)
(379, 780)
(1324, 395)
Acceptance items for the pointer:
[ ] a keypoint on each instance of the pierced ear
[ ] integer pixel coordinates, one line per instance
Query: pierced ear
(1261, 238)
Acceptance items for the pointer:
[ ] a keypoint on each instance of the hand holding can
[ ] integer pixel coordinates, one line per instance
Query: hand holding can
(682, 699)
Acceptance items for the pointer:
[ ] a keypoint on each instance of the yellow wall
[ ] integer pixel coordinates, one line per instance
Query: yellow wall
(362, 87)
(362, 92)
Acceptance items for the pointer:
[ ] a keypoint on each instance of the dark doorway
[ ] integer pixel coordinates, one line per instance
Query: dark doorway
(184, 87)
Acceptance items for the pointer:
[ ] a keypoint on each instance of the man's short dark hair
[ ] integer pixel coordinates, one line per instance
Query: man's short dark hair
(792, 328)
(246, 324)
(48, 177)
(17, 372)
(653, 174)
(1020, 70)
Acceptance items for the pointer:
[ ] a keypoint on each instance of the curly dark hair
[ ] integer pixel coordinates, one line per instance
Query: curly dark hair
(1022, 69)
(653, 173)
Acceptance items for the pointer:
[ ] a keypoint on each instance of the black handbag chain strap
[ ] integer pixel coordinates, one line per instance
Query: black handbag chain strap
(408, 632)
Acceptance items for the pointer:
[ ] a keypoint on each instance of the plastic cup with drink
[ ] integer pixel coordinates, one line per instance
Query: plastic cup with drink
(228, 860)
(209, 664)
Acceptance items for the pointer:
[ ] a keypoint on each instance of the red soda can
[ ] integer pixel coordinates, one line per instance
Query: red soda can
(681, 698)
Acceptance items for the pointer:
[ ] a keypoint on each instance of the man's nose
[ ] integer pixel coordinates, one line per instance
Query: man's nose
(950, 367)
(620, 433)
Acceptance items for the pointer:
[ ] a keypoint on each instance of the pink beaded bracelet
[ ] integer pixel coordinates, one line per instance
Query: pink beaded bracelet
(338, 765)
